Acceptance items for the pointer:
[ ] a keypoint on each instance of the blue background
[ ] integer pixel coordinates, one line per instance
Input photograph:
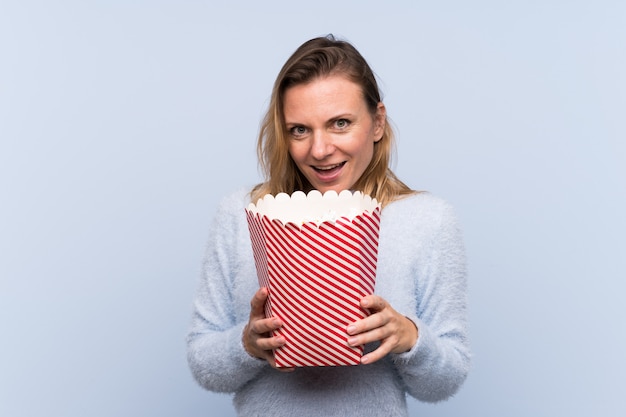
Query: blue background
(123, 123)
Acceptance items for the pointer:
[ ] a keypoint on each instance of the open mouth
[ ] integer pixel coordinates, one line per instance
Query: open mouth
(329, 169)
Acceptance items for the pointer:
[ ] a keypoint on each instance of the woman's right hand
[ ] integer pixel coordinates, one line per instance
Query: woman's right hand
(256, 335)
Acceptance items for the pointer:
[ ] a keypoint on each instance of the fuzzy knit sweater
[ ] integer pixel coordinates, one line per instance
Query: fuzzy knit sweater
(420, 272)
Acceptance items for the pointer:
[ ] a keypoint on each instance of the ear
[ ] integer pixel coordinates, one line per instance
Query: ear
(380, 119)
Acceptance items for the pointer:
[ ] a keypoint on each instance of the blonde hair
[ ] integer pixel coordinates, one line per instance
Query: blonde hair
(321, 57)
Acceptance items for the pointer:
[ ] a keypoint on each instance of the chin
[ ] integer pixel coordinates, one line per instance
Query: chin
(336, 189)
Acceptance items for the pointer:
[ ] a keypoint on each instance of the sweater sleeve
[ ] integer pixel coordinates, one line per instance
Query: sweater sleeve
(215, 351)
(436, 366)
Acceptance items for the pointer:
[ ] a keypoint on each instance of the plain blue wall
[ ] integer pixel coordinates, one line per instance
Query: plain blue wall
(123, 122)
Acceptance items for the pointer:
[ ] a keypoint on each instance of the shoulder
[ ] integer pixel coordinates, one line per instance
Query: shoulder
(230, 213)
(422, 206)
(231, 207)
(235, 200)
(229, 225)
(422, 216)
(422, 221)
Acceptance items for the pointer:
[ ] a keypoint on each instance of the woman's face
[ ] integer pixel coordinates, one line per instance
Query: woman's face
(331, 131)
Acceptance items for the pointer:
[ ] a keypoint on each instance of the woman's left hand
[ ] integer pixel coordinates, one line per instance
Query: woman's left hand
(396, 333)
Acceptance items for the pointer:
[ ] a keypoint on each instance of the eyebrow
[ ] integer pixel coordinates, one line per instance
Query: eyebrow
(333, 118)
(342, 116)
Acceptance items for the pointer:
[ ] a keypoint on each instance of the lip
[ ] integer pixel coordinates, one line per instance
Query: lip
(328, 173)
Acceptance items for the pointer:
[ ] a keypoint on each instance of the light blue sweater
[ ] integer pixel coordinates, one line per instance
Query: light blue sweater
(420, 272)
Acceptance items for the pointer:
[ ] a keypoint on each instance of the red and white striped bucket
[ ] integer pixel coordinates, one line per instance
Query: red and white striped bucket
(316, 269)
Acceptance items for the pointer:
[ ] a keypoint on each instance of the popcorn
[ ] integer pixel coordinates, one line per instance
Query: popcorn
(317, 256)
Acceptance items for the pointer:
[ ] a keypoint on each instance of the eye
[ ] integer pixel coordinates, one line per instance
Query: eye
(298, 131)
(342, 123)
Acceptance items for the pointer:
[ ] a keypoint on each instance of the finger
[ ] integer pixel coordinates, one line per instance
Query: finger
(262, 347)
(382, 351)
(369, 323)
(379, 333)
(270, 343)
(262, 326)
(272, 362)
(373, 302)
(257, 304)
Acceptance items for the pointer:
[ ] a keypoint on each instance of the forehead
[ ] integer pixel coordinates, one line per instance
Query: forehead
(327, 96)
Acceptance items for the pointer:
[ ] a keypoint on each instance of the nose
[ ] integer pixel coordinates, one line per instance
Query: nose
(322, 145)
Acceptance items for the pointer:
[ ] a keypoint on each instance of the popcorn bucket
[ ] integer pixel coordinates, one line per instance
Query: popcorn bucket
(317, 256)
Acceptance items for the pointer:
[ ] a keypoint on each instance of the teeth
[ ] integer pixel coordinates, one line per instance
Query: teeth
(327, 168)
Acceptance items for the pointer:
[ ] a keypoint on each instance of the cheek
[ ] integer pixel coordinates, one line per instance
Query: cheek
(364, 148)
(295, 151)
(365, 156)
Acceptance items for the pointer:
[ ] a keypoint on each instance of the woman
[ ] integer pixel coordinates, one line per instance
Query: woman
(326, 129)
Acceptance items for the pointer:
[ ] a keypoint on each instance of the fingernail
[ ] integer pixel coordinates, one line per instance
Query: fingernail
(351, 329)
(365, 359)
(352, 341)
